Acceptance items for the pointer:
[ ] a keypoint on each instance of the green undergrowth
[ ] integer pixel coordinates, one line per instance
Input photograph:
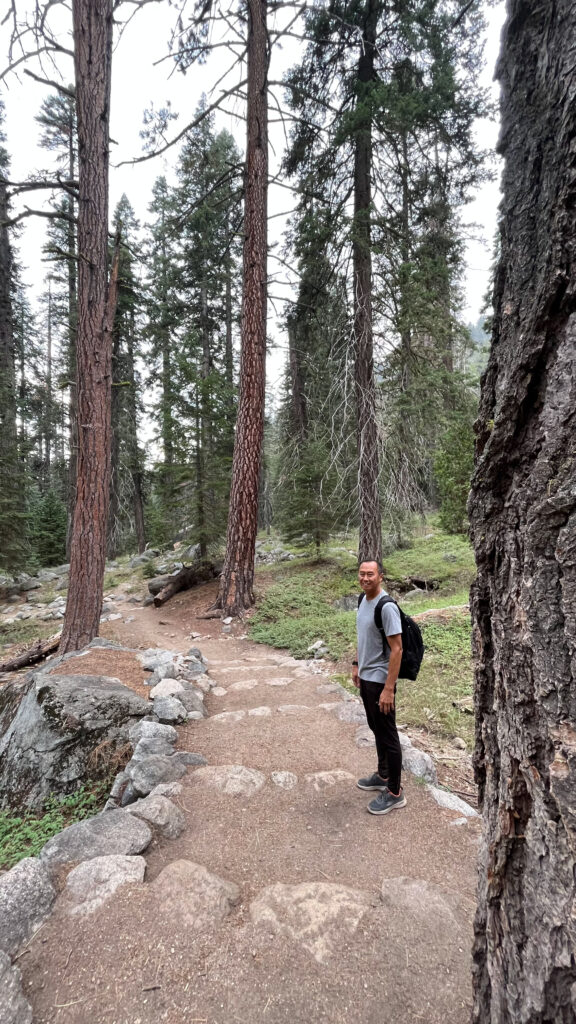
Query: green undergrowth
(444, 560)
(297, 610)
(446, 677)
(25, 631)
(24, 835)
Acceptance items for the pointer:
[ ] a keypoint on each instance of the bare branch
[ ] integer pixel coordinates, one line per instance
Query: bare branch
(53, 85)
(27, 212)
(16, 187)
(193, 124)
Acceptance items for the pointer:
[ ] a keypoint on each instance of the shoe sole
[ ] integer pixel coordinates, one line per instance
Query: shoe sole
(375, 788)
(392, 807)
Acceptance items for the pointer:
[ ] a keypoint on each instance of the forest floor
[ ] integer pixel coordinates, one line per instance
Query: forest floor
(341, 916)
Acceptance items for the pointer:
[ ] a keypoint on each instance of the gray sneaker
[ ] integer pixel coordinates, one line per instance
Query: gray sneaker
(385, 802)
(372, 782)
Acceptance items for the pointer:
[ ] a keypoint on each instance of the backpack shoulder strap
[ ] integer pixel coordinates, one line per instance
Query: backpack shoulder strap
(385, 599)
(360, 599)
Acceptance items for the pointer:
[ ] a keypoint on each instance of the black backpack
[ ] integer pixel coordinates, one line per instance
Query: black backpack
(412, 642)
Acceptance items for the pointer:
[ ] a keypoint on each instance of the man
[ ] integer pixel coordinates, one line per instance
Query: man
(374, 672)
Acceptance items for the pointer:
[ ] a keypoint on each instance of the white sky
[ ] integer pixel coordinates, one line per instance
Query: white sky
(138, 81)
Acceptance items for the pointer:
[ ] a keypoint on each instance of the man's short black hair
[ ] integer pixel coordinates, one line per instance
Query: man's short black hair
(378, 564)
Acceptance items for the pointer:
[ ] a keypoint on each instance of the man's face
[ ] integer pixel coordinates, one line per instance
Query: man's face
(369, 577)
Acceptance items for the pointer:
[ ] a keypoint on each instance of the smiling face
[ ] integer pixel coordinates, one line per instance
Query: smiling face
(370, 579)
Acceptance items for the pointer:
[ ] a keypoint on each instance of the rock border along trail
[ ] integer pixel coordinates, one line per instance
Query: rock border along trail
(282, 900)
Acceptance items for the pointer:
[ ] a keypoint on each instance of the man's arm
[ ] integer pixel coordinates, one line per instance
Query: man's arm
(355, 676)
(386, 702)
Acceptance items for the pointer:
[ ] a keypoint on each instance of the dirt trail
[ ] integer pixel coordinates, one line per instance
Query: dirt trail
(340, 916)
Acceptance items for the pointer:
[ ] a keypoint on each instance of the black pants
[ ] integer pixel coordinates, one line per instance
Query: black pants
(386, 734)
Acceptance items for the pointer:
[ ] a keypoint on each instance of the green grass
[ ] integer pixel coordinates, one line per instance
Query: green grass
(297, 610)
(116, 577)
(25, 631)
(444, 559)
(446, 676)
(24, 835)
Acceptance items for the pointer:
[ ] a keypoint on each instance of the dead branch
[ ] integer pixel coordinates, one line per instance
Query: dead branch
(38, 650)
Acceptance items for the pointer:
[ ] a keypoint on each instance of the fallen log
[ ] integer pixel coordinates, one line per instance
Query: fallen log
(189, 576)
(159, 582)
(38, 650)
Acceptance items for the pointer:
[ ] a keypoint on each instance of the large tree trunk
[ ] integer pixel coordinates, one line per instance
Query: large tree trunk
(72, 329)
(370, 539)
(236, 586)
(523, 515)
(92, 20)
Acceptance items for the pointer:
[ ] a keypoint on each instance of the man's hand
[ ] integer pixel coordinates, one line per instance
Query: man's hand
(355, 676)
(386, 702)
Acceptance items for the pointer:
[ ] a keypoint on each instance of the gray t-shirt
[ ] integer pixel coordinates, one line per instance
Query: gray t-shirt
(372, 658)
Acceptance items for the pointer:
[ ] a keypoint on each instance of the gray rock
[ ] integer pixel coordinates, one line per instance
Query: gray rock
(188, 758)
(419, 763)
(193, 896)
(150, 745)
(169, 789)
(111, 832)
(365, 737)
(459, 743)
(284, 780)
(193, 701)
(329, 688)
(50, 726)
(412, 595)
(232, 779)
(154, 657)
(31, 584)
(151, 730)
(26, 898)
(118, 786)
(325, 780)
(129, 795)
(14, 1008)
(195, 652)
(318, 916)
(167, 688)
(143, 559)
(169, 709)
(166, 670)
(352, 712)
(145, 775)
(191, 670)
(346, 604)
(161, 814)
(228, 716)
(452, 802)
(94, 881)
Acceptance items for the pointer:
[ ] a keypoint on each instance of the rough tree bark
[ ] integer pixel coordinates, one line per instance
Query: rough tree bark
(92, 21)
(236, 592)
(523, 515)
(370, 539)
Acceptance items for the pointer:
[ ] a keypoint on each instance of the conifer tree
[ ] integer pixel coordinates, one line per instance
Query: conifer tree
(381, 104)
(13, 547)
